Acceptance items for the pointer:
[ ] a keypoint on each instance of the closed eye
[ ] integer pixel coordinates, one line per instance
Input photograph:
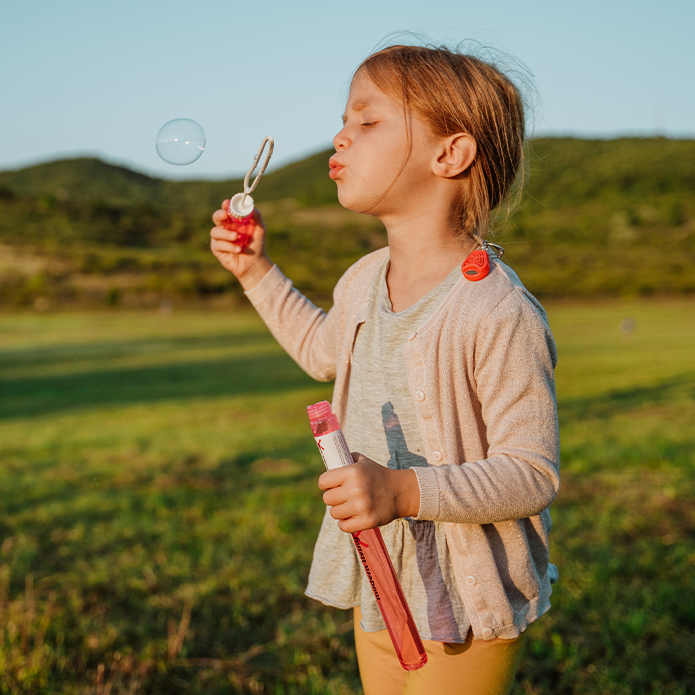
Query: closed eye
(367, 124)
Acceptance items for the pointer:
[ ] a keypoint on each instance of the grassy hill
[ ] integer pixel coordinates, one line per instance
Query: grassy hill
(91, 181)
(613, 217)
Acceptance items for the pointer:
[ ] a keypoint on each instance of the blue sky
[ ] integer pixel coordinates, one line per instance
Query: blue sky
(99, 79)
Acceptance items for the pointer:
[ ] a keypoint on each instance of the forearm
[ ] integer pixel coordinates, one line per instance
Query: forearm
(300, 327)
(488, 491)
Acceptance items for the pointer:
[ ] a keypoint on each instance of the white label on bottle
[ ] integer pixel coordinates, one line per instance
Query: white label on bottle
(334, 450)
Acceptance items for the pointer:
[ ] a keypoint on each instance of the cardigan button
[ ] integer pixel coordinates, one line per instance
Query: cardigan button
(437, 456)
(420, 396)
(471, 580)
(488, 632)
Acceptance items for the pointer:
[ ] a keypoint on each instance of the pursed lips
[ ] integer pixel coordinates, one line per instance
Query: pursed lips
(334, 168)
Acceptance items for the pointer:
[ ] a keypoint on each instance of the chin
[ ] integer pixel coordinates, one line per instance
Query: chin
(355, 205)
(346, 201)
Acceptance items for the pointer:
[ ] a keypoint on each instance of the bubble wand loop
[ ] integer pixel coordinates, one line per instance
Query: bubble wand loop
(250, 189)
(241, 205)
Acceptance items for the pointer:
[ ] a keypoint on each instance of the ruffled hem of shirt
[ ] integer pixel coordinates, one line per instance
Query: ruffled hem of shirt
(329, 602)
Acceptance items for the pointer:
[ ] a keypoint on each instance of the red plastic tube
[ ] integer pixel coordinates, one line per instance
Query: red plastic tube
(371, 549)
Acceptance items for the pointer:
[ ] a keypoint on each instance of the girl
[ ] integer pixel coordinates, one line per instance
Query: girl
(443, 385)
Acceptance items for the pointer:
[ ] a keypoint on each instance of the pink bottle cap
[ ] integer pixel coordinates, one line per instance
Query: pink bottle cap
(319, 411)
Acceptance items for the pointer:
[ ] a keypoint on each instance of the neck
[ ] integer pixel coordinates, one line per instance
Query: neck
(424, 249)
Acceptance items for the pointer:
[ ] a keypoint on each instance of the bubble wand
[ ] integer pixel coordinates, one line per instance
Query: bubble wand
(241, 205)
(371, 549)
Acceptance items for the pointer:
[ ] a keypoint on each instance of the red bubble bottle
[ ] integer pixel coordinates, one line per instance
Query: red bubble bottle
(371, 549)
(241, 205)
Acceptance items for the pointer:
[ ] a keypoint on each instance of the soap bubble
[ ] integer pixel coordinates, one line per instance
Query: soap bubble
(180, 141)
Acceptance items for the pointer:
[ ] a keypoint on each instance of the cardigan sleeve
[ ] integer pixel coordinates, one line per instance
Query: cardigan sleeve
(312, 337)
(512, 361)
(306, 332)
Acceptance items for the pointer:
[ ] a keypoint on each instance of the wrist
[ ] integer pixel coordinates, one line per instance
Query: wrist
(255, 273)
(408, 494)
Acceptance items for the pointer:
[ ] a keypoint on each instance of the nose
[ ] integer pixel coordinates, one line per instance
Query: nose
(341, 140)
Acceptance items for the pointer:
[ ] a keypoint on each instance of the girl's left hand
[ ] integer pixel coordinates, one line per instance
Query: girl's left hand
(366, 495)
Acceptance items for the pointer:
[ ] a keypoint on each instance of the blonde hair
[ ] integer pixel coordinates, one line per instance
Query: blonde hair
(456, 93)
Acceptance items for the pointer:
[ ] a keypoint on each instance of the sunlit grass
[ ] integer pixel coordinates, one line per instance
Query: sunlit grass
(624, 519)
(159, 508)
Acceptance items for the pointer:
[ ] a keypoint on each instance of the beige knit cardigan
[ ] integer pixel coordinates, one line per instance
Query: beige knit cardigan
(480, 371)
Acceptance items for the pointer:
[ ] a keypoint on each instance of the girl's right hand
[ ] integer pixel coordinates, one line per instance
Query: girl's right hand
(249, 263)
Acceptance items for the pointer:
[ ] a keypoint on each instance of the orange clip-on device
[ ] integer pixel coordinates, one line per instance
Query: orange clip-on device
(477, 264)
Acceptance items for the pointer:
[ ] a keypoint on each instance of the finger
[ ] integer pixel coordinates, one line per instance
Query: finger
(353, 525)
(341, 512)
(336, 496)
(357, 457)
(224, 247)
(223, 234)
(331, 479)
(220, 216)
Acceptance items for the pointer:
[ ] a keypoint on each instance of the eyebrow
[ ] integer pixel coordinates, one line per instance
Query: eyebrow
(356, 106)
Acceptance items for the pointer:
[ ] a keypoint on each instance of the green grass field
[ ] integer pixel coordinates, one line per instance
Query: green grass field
(159, 509)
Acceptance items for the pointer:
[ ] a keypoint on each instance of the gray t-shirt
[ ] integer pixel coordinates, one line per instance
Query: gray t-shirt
(381, 424)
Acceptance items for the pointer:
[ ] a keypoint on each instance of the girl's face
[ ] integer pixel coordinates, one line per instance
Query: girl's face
(375, 167)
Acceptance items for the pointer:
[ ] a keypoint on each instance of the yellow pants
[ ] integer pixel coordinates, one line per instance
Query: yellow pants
(475, 667)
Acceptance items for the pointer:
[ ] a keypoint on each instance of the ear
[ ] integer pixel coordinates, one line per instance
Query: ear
(456, 154)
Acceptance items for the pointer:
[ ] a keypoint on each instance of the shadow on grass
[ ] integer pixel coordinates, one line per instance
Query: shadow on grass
(114, 349)
(621, 401)
(234, 376)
